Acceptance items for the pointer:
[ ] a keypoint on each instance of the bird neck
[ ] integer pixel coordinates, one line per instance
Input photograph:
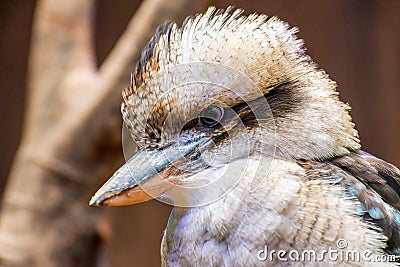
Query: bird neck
(287, 211)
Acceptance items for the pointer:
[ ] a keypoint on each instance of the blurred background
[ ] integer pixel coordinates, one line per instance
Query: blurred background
(357, 42)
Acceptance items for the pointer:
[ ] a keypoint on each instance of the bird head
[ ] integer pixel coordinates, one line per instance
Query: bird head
(207, 96)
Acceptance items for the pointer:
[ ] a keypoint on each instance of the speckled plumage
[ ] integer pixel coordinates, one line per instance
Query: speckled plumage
(297, 208)
(320, 186)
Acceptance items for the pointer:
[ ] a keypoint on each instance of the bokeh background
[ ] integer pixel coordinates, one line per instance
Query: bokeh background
(356, 41)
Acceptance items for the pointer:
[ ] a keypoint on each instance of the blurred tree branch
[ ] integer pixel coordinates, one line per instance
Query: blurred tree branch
(71, 135)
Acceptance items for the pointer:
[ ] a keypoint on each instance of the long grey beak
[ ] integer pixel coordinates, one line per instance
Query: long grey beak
(138, 180)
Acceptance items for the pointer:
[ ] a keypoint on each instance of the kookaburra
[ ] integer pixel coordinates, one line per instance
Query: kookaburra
(241, 131)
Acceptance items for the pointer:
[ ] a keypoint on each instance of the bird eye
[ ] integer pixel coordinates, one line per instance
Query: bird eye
(211, 116)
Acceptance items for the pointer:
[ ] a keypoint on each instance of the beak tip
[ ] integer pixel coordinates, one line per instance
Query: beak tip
(107, 191)
(98, 199)
(94, 202)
